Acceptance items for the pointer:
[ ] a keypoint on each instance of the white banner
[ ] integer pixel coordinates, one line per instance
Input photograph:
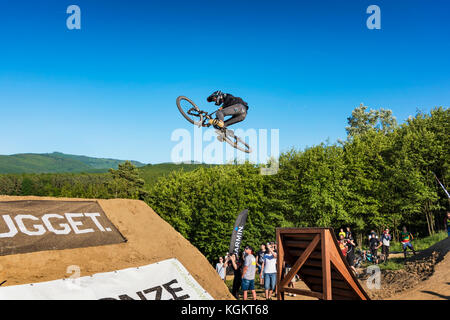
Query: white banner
(165, 280)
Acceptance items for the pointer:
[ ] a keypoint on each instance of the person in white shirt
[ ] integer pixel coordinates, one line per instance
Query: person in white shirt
(220, 268)
(386, 242)
(269, 268)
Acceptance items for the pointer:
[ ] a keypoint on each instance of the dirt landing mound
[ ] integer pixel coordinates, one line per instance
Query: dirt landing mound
(150, 239)
(436, 287)
(424, 277)
(441, 249)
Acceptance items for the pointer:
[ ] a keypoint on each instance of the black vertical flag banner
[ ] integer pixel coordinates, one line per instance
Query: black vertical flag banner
(238, 232)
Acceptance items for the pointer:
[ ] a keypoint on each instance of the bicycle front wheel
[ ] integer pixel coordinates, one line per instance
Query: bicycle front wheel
(189, 110)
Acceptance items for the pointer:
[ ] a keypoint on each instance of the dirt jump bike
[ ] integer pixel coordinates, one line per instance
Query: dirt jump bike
(200, 118)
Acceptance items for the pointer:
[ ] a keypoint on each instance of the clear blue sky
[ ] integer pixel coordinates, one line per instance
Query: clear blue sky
(109, 89)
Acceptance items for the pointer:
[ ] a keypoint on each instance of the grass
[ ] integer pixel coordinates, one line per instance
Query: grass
(393, 264)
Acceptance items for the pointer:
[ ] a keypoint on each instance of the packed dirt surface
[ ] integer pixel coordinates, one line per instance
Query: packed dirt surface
(426, 276)
(260, 291)
(150, 239)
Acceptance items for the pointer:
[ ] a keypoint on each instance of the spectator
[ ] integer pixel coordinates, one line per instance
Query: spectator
(385, 242)
(374, 244)
(406, 238)
(260, 255)
(269, 268)
(220, 268)
(447, 223)
(248, 273)
(372, 232)
(343, 244)
(348, 233)
(274, 246)
(341, 233)
(236, 264)
(351, 245)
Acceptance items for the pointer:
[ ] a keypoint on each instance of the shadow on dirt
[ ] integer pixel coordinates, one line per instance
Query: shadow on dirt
(436, 294)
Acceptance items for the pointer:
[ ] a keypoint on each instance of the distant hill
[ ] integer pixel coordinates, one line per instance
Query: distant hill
(56, 162)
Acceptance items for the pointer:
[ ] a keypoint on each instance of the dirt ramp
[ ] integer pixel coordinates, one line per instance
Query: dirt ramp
(436, 287)
(440, 249)
(424, 277)
(149, 240)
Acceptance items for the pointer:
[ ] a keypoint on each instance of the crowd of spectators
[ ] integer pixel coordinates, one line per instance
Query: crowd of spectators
(261, 266)
(348, 246)
(249, 267)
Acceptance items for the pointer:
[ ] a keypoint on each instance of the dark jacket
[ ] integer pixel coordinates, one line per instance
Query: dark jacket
(231, 100)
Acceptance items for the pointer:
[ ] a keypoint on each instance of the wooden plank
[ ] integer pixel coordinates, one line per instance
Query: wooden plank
(347, 293)
(280, 264)
(303, 230)
(335, 275)
(299, 263)
(299, 244)
(314, 255)
(335, 283)
(302, 292)
(326, 267)
(338, 297)
(316, 272)
(313, 263)
(288, 257)
(299, 236)
(313, 280)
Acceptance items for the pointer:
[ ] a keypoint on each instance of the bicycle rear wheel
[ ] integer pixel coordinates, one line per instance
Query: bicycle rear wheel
(189, 110)
(236, 142)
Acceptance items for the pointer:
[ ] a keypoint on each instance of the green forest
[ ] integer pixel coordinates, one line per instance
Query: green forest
(383, 174)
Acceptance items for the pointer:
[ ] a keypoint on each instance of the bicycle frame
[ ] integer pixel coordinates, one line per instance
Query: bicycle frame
(202, 114)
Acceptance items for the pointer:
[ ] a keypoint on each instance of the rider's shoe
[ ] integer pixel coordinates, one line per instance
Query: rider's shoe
(217, 123)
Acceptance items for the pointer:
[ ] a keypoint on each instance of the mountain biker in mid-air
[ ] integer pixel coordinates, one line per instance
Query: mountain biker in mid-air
(231, 106)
